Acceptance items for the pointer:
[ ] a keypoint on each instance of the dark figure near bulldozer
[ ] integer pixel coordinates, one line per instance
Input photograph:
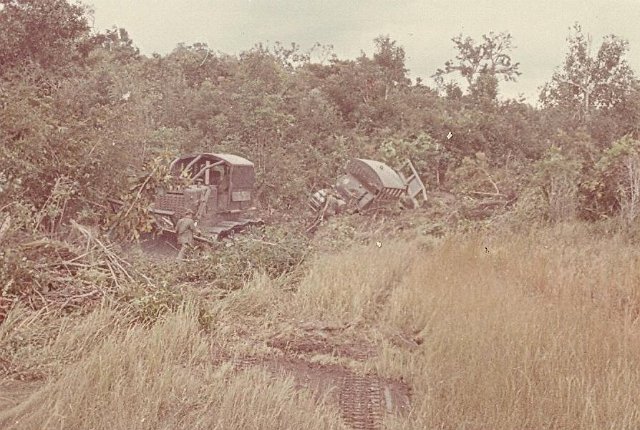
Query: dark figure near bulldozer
(185, 230)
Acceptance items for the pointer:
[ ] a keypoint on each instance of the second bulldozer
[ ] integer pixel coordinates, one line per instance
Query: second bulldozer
(368, 185)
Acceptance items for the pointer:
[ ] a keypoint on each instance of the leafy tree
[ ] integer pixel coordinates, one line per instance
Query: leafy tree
(429, 157)
(484, 88)
(586, 83)
(45, 32)
(364, 90)
(557, 175)
(616, 182)
(391, 58)
(118, 43)
(482, 64)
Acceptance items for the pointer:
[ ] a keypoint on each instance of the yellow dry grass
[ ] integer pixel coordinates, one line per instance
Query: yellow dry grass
(539, 332)
(162, 378)
(505, 331)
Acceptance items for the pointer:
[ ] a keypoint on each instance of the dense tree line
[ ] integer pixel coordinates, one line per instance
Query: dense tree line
(81, 112)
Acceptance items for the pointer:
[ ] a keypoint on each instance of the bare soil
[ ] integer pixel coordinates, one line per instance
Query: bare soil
(363, 399)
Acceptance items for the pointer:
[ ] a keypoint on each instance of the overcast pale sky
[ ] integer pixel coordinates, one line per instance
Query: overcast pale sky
(423, 27)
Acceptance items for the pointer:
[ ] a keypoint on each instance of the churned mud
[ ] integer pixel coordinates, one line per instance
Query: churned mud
(363, 398)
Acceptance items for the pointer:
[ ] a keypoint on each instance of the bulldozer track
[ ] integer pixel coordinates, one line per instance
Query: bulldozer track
(360, 401)
(363, 399)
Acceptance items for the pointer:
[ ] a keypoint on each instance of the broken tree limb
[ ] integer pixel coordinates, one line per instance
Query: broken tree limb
(6, 225)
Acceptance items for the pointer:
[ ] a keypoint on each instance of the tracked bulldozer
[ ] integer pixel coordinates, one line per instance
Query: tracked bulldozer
(368, 185)
(217, 188)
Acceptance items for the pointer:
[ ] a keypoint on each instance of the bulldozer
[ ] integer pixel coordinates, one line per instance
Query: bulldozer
(217, 188)
(366, 186)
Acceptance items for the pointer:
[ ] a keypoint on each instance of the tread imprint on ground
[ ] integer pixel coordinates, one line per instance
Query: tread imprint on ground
(363, 399)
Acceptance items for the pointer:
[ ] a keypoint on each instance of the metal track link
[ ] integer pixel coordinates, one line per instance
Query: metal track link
(361, 402)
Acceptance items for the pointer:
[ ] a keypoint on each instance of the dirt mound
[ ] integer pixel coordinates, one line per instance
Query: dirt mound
(316, 345)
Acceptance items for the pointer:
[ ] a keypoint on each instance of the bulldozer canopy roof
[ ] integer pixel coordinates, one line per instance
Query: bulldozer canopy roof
(234, 160)
(376, 173)
(216, 169)
(231, 159)
(188, 161)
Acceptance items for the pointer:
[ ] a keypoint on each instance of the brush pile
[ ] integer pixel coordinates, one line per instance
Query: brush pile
(46, 272)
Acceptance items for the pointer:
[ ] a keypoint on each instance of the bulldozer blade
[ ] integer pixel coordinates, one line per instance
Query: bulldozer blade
(415, 186)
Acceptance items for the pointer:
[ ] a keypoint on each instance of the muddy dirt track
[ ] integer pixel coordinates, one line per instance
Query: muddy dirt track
(363, 399)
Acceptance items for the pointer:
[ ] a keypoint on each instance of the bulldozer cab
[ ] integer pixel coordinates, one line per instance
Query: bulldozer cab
(230, 178)
(218, 188)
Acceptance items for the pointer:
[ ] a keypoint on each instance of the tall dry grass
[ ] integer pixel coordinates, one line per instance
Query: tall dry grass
(517, 331)
(161, 378)
(539, 332)
(513, 331)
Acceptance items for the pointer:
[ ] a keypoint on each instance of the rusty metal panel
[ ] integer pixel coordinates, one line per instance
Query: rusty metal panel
(241, 196)
(243, 178)
(375, 174)
(171, 201)
(365, 201)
